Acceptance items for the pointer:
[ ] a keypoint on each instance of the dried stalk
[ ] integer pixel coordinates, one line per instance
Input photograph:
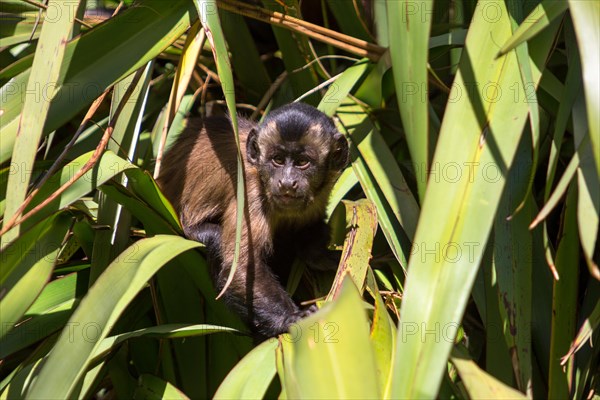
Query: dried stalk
(351, 44)
(14, 221)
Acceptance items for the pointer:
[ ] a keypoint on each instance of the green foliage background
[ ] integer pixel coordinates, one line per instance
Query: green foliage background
(467, 221)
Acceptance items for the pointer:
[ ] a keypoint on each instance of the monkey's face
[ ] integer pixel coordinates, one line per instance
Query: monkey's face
(298, 154)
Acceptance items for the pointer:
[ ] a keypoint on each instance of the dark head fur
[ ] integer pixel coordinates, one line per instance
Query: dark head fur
(299, 154)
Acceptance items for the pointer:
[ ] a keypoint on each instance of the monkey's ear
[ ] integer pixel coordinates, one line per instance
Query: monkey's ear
(340, 154)
(252, 150)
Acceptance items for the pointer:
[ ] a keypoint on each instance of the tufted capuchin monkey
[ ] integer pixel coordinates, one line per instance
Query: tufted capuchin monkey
(291, 161)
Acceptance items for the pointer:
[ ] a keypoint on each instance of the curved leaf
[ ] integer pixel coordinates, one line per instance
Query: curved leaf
(252, 376)
(546, 12)
(99, 310)
(361, 220)
(336, 338)
(108, 166)
(459, 208)
(409, 27)
(478, 383)
(585, 16)
(209, 16)
(40, 91)
(26, 267)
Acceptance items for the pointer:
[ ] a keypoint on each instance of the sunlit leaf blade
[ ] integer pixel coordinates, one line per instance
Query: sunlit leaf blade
(178, 124)
(12, 93)
(337, 339)
(585, 16)
(389, 225)
(280, 367)
(41, 89)
(380, 177)
(48, 314)
(590, 325)
(361, 221)
(381, 28)
(588, 199)
(409, 27)
(454, 38)
(587, 209)
(383, 337)
(151, 387)
(26, 267)
(458, 212)
(529, 77)
(167, 331)
(252, 376)
(127, 105)
(108, 166)
(345, 182)
(337, 93)
(145, 201)
(536, 21)
(189, 58)
(382, 166)
(121, 281)
(478, 383)
(209, 16)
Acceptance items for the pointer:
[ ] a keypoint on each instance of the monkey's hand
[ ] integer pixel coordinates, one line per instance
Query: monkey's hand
(281, 324)
(297, 316)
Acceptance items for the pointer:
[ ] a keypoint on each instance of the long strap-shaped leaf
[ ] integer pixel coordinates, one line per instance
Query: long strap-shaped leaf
(209, 16)
(99, 310)
(409, 39)
(585, 16)
(480, 133)
(41, 88)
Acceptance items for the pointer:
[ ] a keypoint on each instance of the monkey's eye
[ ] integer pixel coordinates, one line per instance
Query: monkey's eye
(278, 161)
(302, 163)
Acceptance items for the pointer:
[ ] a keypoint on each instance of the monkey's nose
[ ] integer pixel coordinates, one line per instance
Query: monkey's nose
(288, 186)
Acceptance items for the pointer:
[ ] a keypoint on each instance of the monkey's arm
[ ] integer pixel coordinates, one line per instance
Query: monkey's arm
(205, 233)
(255, 293)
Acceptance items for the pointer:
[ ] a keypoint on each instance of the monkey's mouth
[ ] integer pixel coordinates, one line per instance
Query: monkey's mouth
(288, 201)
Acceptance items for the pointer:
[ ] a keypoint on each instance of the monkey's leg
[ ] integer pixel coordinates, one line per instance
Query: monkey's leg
(208, 234)
(255, 293)
(259, 298)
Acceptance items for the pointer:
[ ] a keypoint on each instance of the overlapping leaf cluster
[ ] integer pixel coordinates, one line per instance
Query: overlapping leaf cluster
(467, 222)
